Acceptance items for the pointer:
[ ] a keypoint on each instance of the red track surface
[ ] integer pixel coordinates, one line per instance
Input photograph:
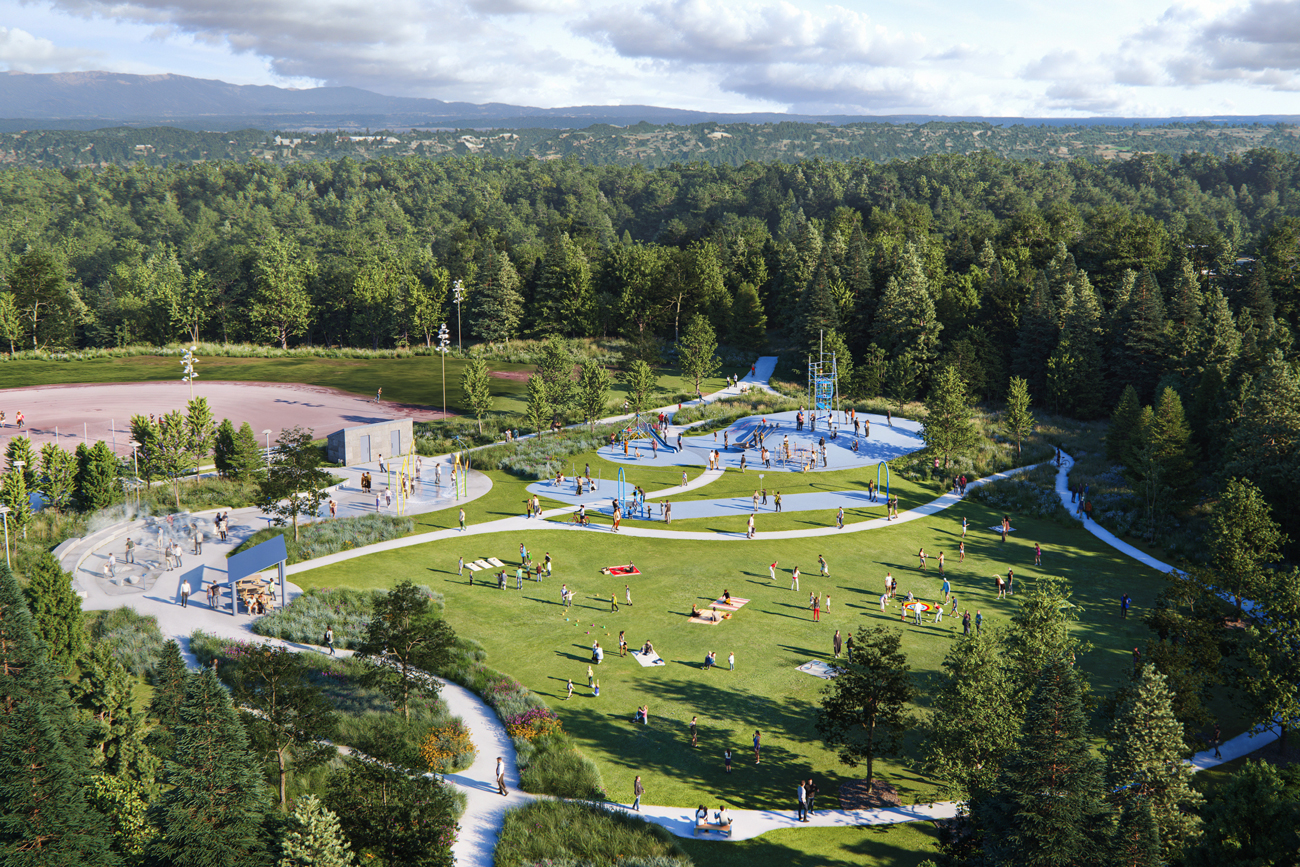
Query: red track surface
(104, 411)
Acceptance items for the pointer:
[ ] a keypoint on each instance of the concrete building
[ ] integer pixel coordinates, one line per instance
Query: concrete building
(369, 442)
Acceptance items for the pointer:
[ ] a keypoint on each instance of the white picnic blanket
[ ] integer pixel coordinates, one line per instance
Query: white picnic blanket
(817, 668)
(647, 660)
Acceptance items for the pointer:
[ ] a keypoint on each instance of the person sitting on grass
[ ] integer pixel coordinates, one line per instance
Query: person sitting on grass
(726, 597)
(647, 649)
(695, 610)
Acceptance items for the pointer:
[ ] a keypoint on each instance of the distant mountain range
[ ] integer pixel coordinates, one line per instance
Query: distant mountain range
(94, 100)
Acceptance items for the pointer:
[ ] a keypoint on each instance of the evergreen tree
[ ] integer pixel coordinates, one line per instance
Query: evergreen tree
(223, 451)
(97, 485)
(393, 818)
(1018, 419)
(1047, 808)
(14, 494)
(58, 475)
(1243, 540)
(1040, 633)
(1144, 329)
(1272, 667)
(476, 383)
(564, 302)
(1264, 439)
(246, 460)
(168, 696)
(1037, 335)
(1123, 425)
(1074, 370)
(948, 429)
(593, 392)
(212, 811)
(1172, 440)
(1144, 766)
(56, 611)
(818, 309)
(1137, 839)
(970, 731)
(313, 837)
(906, 325)
(1185, 320)
(496, 306)
(407, 638)
(748, 321)
(201, 431)
(538, 411)
(864, 710)
(697, 351)
(121, 801)
(291, 720)
(20, 449)
(555, 369)
(834, 342)
(117, 732)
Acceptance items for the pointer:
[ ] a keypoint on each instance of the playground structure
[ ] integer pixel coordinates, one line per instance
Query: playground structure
(823, 382)
(886, 466)
(460, 476)
(639, 429)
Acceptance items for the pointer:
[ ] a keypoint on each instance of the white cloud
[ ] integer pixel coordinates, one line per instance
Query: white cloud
(20, 51)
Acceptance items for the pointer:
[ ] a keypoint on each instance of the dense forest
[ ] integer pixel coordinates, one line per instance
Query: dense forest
(1085, 279)
(645, 144)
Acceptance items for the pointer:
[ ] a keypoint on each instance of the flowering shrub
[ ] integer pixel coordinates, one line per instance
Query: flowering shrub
(447, 747)
(535, 723)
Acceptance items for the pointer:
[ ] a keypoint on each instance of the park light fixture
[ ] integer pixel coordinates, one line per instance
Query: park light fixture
(458, 294)
(4, 513)
(135, 465)
(268, 452)
(188, 360)
(18, 465)
(443, 341)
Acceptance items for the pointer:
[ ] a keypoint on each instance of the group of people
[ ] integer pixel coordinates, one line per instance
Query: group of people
(18, 420)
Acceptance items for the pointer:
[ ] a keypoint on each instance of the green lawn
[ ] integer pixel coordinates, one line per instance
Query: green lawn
(882, 846)
(531, 636)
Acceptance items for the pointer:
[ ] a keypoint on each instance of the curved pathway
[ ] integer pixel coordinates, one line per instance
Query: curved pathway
(483, 818)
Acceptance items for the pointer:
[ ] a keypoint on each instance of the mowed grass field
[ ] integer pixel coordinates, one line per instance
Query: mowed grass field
(415, 380)
(530, 635)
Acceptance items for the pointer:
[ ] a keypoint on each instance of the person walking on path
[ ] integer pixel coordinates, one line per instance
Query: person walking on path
(758, 737)
(329, 639)
(777, 501)
(1038, 554)
(130, 550)
(794, 579)
(1218, 738)
(749, 528)
(839, 519)
(462, 520)
(801, 797)
(379, 395)
(810, 793)
(185, 593)
(501, 776)
(637, 791)
(837, 644)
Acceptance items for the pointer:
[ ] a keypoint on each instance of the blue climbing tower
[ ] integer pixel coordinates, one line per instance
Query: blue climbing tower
(823, 381)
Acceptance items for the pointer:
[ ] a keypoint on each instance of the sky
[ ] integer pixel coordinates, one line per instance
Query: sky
(1003, 58)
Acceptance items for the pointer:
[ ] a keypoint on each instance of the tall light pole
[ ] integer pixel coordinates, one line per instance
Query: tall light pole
(268, 452)
(187, 364)
(458, 293)
(135, 465)
(18, 465)
(4, 513)
(442, 348)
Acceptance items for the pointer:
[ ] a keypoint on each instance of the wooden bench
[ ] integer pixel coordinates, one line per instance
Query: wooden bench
(709, 826)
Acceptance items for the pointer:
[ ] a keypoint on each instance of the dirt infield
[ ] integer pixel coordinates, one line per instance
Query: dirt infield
(104, 411)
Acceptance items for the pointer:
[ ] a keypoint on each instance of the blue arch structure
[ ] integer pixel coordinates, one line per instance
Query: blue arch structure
(886, 466)
(622, 487)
